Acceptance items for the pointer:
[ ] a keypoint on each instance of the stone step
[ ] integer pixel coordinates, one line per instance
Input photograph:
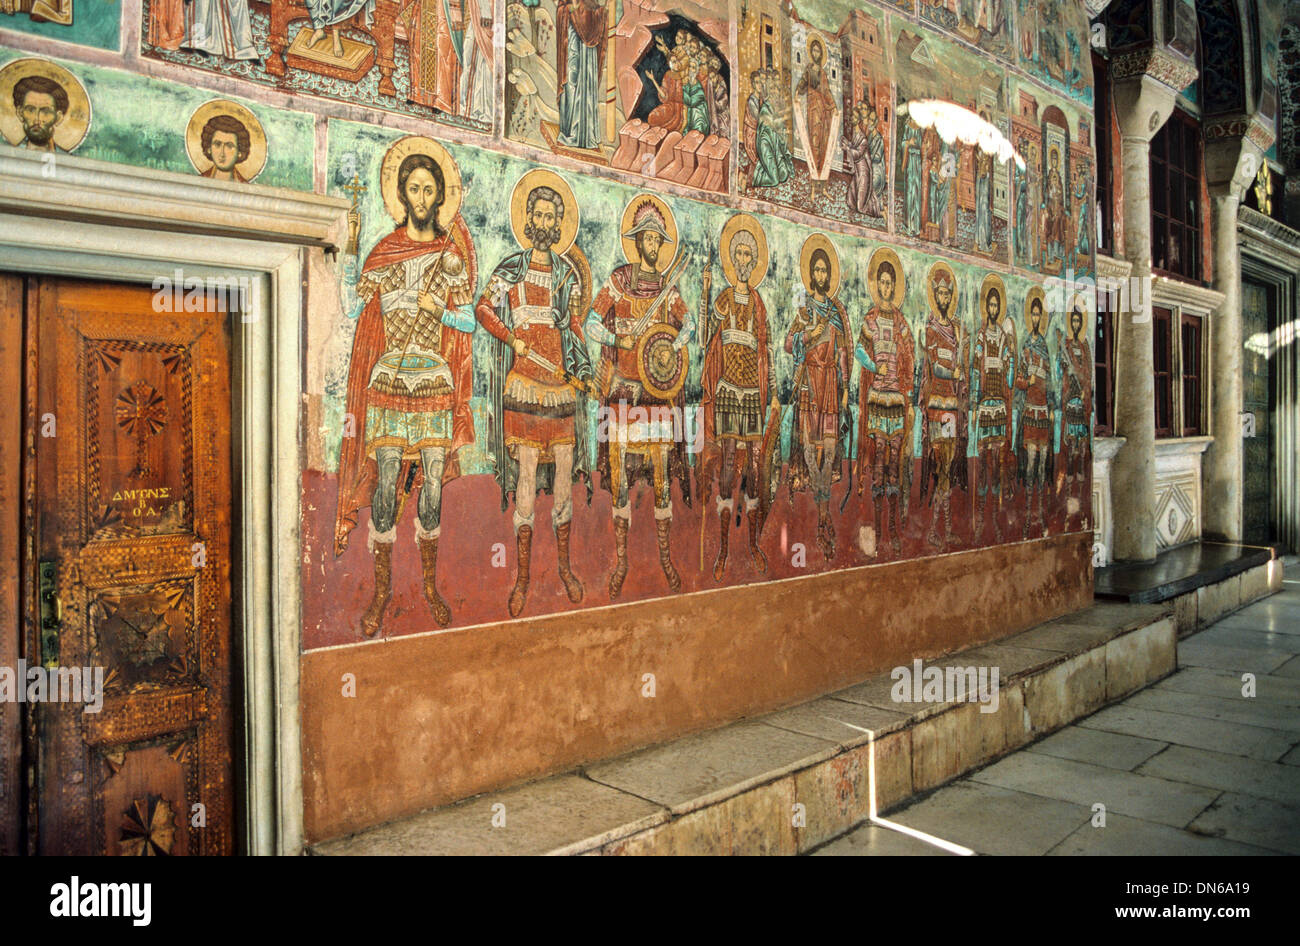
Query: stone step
(1202, 581)
(788, 781)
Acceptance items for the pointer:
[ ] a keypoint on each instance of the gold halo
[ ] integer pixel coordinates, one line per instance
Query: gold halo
(992, 281)
(248, 168)
(1086, 303)
(1036, 292)
(943, 267)
(815, 37)
(418, 144)
(819, 241)
(541, 177)
(71, 130)
(733, 226)
(883, 254)
(670, 224)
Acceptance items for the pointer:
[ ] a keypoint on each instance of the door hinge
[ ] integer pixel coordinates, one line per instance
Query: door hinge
(51, 612)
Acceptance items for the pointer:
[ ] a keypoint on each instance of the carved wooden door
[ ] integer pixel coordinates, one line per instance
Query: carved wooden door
(129, 421)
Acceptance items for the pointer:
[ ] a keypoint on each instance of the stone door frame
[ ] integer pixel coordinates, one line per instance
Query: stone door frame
(66, 216)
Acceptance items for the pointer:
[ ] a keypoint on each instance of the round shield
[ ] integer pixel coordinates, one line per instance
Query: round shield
(661, 367)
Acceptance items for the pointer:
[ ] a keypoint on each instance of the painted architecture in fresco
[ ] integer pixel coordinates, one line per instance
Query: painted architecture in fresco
(512, 341)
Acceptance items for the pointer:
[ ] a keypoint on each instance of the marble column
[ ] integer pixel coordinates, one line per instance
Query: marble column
(1231, 162)
(1143, 104)
(1221, 471)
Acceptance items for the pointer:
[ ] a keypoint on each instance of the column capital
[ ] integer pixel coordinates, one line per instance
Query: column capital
(1234, 152)
(1144, 98)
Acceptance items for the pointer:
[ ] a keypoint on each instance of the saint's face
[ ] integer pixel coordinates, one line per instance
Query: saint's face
(885, 284)
(821, 277)
(817, 54)
(1036, 317)
(225, 151)
(421, 196)
(39, 116)
(943, 298)
(993, 306)
(743, 257)
(544, 222)
(648, 244)
(1076, 322)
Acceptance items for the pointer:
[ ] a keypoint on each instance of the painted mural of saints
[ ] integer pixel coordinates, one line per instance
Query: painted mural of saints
(1034, 402)
(984, 170)
(539, 374)
(43, 107)
(580, 67)
(226, 142)
(1027, 205)
(1075, 372)
(992, 371)
(865, 150)
(1054, 225)
(764, 147)
(819, 341)
(913, 176)
(737, 383)
(818, 124)
(643, 326)
(41, 11)
(451, 57)
(886, 352)
(942, 398)
(410, 376)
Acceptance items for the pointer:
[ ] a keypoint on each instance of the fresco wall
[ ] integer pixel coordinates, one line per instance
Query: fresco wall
(640, 299)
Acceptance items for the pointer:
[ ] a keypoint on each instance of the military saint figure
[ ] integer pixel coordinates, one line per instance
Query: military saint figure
(540, 372)
(411, 372)
(991, 372)
(943, 399)
(886, 352)
(1034, 403)
(737, 383)
(818, 339)
(641, 383)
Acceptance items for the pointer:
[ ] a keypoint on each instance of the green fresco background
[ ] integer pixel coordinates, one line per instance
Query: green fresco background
(125, 124)
(94, 23)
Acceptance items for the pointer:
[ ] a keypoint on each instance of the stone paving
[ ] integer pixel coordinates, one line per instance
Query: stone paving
(1188, 766)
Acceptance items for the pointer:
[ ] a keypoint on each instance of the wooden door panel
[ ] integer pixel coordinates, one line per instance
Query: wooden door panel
(11, 517)
(134, 508)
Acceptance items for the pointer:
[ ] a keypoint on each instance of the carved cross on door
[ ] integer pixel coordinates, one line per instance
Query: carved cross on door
(141, 411)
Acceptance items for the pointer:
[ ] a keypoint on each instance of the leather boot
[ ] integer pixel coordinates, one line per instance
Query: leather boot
(755, 553)
(523, 553)
(571, 583)
(895, 539)
(429, 561)
(724, 533)
(374, 616)
(825, 532)
(662, 527)
(620, 551)
(933, 535)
